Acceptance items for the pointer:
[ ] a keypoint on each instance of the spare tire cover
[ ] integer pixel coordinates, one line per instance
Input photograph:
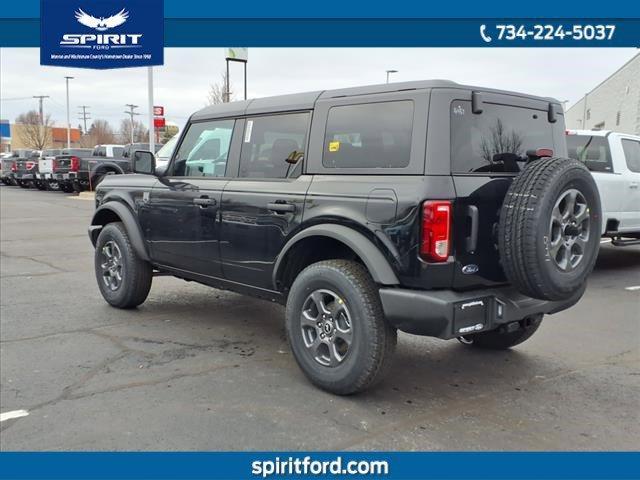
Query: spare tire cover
(549, 231)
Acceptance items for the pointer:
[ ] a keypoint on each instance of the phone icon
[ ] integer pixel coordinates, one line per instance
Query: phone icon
(484, 35)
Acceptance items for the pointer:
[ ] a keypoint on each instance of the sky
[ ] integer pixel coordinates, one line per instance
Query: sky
(182, 83)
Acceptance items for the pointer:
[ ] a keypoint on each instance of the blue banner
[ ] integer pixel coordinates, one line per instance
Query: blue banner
(101, 34)
(394, 466)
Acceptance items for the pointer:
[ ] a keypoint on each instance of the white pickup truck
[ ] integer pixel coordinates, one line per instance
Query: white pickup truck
(614, 161)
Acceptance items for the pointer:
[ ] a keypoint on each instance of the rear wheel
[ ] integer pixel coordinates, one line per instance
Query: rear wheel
(506, 336)
(66, 187)
(123, 278)
(336, 327)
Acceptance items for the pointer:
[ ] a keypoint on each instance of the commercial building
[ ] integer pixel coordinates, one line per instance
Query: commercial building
(56, 137)
(612, 105)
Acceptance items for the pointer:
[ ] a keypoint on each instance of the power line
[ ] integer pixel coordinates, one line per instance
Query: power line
(84, 116)
(131, 113)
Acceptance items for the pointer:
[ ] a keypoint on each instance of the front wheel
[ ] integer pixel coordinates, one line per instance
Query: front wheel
(506, 336)
(123, 278)
(336, 327)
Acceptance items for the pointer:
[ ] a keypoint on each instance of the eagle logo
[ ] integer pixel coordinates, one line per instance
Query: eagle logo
(101, 24)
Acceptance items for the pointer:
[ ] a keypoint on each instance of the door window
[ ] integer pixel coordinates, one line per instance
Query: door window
(632, 154)
(204, 150)
(273, 146)
(371, 135)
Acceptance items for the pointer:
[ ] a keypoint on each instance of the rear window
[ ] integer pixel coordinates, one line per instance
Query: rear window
(496, 140)
(372, 135)
(593, 151)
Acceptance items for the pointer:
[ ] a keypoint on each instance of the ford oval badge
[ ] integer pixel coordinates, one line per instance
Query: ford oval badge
(470, 269)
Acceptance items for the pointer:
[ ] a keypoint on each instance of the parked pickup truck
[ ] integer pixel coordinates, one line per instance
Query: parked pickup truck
(25, 170)
(614, 161)
(47, 154)
(8, 167)
(60, 172)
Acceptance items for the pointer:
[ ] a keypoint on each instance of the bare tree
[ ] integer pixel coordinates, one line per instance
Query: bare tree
(101, 132)
(35, 132)
(140, 132)
(217, 92)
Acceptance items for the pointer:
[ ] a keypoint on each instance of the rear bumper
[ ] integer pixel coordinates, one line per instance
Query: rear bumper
(448, 314)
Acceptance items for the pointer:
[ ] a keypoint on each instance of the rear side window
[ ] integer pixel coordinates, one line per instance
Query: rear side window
(118, 151)
(273, 145)
(371, 135)
(496, 140)
(100, 152)
(593, 151)
(632, 154)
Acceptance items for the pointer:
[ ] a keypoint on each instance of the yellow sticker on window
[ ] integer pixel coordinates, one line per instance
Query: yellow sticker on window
(334, 146)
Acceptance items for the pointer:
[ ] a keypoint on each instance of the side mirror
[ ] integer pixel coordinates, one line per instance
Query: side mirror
(144, 162)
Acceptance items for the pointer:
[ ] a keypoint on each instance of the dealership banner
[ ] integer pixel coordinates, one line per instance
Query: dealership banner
(106, 34)
(379, 465)
(101, 34)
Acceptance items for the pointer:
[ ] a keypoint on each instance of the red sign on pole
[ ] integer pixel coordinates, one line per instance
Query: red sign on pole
(158, 111)
(158, 122)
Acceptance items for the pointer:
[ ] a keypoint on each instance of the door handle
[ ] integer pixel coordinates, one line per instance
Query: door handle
(204, 202)
(633, 185)
(281, 207)
(472, 239)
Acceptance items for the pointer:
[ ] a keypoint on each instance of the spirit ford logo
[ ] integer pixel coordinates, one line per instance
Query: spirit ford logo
(101, 39)
(101, 24)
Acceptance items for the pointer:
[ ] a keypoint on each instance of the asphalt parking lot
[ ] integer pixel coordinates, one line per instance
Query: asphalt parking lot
(201, 369)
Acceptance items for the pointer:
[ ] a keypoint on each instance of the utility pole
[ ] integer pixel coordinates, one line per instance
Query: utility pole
(41, 110)
(84, 116)
(131, 113)
(68, 119)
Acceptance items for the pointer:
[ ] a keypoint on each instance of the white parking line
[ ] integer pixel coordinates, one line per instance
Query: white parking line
(633, 288)
(13, 414)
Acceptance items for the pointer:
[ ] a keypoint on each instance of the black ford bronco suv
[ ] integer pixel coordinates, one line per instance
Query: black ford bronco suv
(430, 207)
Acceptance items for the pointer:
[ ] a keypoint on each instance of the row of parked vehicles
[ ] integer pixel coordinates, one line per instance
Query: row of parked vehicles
(72, 169)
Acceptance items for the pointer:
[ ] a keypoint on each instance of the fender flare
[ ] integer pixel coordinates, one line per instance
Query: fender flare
(374, 260)
(130, 224)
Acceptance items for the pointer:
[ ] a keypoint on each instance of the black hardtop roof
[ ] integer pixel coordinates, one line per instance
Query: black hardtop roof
(307, 100)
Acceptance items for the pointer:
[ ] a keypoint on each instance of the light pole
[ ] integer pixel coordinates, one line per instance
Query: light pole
(68, 119)
(389, 72)
(152, 136)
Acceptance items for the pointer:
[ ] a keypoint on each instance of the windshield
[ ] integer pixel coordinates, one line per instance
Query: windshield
(591, 150)
(167, 149)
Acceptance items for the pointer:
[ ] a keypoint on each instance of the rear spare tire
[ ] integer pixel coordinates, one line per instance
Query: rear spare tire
(549, 231)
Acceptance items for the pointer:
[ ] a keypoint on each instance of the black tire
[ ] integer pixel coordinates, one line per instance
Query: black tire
(24, 184)
(66, 188)
(135, 274)
(373, 340)
(41, 186)
(53, 186)
(502, 338)
(529, 232)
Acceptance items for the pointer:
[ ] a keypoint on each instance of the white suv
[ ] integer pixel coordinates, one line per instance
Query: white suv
(614, 161)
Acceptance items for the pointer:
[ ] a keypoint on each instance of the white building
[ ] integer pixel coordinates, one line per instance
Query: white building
(613, 105)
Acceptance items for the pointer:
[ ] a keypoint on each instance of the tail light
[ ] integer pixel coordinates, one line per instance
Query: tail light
(54, 165)
(30, 165)
(435, 244)
(74, 166)
(14, 167)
